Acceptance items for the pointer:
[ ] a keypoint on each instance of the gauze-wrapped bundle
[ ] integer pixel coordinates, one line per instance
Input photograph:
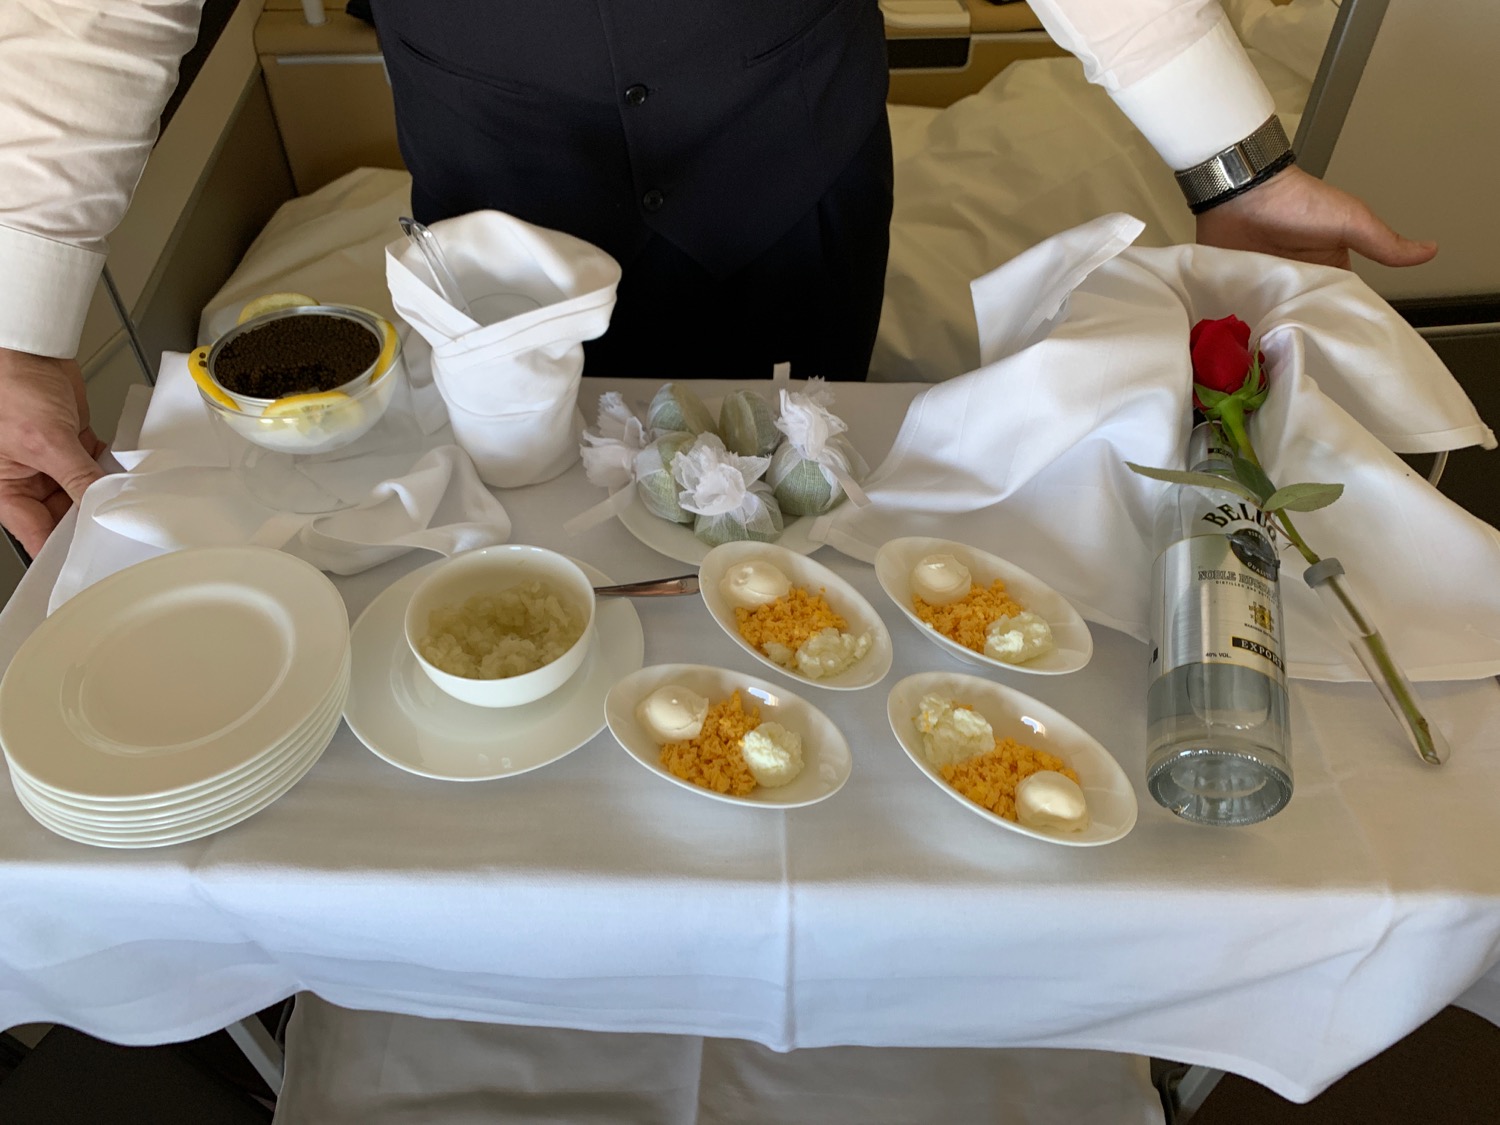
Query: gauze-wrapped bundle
(609, 451)
(816, 466)
(724, 491)
(676, 409)
(748, 425)
(655, 480)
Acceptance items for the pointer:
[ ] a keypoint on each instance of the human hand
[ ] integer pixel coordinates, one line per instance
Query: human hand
(47, 450)
(1296, 215)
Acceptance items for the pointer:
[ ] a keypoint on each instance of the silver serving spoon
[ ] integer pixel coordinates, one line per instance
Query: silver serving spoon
(432, 251)
(655, 588)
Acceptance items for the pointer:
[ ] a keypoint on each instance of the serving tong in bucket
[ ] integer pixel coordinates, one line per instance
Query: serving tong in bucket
(432, 252)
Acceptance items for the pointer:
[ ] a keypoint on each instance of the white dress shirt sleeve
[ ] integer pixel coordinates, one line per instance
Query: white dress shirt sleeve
(82, 85)
(1174, 66)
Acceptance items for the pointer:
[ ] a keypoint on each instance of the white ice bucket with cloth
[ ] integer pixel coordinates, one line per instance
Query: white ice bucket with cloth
(509, 372)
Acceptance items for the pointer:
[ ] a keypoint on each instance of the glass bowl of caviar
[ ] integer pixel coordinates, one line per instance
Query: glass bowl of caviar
(303, 380)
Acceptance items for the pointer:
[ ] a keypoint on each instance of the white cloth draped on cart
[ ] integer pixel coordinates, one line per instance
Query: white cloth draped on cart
(184, 491)
(1085, 366)
(347, 1067)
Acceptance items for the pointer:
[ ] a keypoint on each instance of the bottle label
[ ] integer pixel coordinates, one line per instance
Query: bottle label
(1217, 601)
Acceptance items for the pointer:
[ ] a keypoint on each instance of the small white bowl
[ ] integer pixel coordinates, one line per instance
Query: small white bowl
(491, 570)
(814, 577)
(1074, 643)
(1111, 800)
(826, 761)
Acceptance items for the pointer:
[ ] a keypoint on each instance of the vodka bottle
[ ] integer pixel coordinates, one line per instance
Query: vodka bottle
(1216, 712)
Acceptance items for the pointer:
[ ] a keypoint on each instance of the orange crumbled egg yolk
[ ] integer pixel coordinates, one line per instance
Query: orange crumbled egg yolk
(990, 779)
(790, 620)
(714, 759)
(967, 619)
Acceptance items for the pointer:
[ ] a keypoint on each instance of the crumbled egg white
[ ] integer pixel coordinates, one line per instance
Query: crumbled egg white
(752, 584)
(673, 713)
(773, 754)
(826, 653)
(949, 733)
(1047, 799)
(1018, 638)
(941, 580)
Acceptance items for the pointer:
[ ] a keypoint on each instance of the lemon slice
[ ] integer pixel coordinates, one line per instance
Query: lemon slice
(198, 368)
(307, 412)
(274, 302)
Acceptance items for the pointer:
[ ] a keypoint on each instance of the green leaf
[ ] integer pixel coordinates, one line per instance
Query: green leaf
(1303, 497)
(1253, 477)
(1201, 480)
(1209, 397)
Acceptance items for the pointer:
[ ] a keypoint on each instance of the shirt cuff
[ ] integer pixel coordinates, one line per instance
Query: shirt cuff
(45, 289)
(1200, 103)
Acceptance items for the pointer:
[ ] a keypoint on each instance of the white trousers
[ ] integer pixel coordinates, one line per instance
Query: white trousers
(347, 1067)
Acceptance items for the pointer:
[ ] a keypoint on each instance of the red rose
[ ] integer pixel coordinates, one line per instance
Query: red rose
(1221, 354)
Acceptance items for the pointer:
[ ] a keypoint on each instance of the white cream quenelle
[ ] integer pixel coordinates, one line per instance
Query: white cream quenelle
(951, 733)
(1048, 799)
(773, 754)
(673, 713)
(752, 584)
(1017, 639)
(941, 580)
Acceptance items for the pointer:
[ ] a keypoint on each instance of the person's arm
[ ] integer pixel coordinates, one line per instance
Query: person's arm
(82, 86)
(1177, 70)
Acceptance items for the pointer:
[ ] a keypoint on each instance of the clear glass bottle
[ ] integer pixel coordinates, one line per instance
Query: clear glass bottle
(1216, 712)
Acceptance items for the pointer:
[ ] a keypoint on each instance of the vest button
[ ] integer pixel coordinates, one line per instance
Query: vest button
(635, 95)
(653, 200)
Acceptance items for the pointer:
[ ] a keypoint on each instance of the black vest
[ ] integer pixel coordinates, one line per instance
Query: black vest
(714, 123)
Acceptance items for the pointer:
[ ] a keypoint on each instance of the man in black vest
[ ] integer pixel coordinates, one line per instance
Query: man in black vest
(734, 158)
(732, 155)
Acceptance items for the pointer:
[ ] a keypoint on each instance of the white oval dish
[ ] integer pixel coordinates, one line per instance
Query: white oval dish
(1070, 633)
(827, 762)
(1111, 800)
(815, 577)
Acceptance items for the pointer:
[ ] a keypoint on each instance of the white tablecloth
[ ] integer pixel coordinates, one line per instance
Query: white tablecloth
(589, 894)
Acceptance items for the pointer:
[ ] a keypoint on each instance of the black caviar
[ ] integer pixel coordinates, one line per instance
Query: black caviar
(296, 355)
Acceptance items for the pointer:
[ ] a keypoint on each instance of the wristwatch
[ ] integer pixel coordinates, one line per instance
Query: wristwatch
(1238, 168)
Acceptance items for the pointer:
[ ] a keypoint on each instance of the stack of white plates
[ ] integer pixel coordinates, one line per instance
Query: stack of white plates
(176, 698)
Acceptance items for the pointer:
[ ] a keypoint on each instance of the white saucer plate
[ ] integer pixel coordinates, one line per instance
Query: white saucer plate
(677, 541)
(815, 578)
(1074, 643)
(826, 759)
(1111, 800)
(406, 719)
(172, 673)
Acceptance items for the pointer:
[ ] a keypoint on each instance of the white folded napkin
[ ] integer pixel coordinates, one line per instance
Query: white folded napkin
(509, 373)
(183, 491)
(1086, 366)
